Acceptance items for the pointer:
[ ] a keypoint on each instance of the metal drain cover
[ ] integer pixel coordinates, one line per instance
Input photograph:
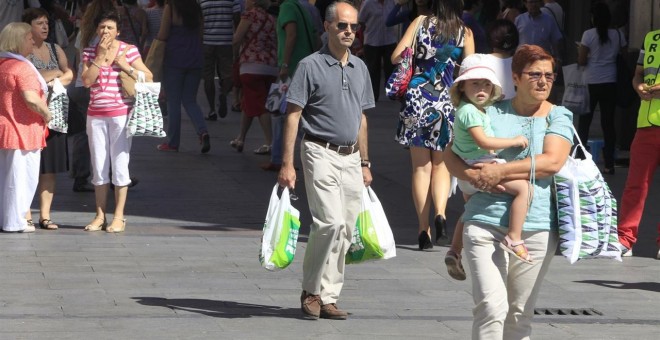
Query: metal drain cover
(567, 311)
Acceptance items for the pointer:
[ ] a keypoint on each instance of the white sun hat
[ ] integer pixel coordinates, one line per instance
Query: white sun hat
(476, 66)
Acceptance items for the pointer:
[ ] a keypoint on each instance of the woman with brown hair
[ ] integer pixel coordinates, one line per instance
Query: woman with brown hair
(504, 289)
(107, 116)
(181, 27)
(51, 62)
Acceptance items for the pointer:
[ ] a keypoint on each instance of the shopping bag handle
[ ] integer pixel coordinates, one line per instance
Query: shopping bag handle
(586, 153)
(280, 190)
(141, 77)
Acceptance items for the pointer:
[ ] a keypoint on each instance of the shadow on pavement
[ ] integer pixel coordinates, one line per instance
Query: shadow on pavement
(220, 309)
(648, 286)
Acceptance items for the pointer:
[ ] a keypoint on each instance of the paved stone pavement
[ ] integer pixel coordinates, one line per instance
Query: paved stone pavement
(187, 267)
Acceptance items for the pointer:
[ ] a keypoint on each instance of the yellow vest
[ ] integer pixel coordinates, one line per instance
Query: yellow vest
(649, 110)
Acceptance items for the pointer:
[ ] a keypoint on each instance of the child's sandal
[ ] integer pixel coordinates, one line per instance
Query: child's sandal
(518, 249)
(454, 266)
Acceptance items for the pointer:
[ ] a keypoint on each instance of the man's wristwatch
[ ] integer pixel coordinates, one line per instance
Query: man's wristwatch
(365, 163)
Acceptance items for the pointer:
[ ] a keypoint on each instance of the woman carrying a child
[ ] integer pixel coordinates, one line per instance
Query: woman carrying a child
(505, 289)
(477, 87)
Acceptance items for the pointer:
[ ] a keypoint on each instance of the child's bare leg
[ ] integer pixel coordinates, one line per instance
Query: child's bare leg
(522, 192)
(457, 239)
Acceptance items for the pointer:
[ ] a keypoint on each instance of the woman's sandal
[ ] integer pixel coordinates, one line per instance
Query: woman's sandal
(262, 150)
(237, 144)
(29, 228)
(454, 265)
(96, 227)
(111, 229)
(47, 224)
(518, 249)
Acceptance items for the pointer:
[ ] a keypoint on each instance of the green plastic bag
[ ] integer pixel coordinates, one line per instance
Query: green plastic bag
(372, 237)
(280, 233)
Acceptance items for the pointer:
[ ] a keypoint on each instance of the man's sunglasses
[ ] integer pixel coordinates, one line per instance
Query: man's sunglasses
(343, 26)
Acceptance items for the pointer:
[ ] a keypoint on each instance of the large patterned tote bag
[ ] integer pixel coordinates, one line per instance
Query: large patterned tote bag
(58, 105)
(587, 210)
(146, 118)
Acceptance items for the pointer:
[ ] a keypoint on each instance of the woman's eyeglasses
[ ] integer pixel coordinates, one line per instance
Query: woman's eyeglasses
(535, 76)
(342, 26)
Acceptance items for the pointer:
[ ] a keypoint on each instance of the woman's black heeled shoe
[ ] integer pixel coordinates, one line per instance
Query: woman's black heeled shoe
(424, 241)
(441, 237)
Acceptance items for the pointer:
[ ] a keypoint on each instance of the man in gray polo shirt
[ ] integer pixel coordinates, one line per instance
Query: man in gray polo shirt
(333, 88)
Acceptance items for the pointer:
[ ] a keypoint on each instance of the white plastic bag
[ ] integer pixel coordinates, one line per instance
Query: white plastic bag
(372, 236)
(576, 91)
(586, 211)
(58, 105)
(280, 233)
(146, 118)
(276, 100)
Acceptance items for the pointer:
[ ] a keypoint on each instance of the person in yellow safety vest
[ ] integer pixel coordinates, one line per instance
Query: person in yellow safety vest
(645, 148)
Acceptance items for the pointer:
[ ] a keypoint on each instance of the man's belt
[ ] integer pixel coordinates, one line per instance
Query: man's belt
(340, 149)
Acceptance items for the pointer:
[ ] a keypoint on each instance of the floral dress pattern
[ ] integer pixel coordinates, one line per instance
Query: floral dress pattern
(260, 45)
(40, 64)
(427, 114)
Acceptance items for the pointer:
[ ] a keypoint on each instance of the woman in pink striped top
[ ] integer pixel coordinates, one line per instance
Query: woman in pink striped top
(107, 115)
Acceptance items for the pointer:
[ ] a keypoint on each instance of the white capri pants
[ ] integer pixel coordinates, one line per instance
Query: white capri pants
(19, 176)
(109, 145)
(505, 290)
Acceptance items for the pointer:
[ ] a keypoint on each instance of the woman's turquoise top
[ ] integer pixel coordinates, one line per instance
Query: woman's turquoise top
(493, 209)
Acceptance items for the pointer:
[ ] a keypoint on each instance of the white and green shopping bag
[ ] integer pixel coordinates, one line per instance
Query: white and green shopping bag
(280, 234)
(586, 210)
(372, 236)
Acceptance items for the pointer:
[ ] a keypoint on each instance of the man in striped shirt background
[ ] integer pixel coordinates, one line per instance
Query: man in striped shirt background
(220, 19)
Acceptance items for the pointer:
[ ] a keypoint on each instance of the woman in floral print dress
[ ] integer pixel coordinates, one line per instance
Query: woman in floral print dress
(426, 117)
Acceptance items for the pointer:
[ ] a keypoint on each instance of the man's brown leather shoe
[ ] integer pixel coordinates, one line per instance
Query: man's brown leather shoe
(310, 305)
(330, 311)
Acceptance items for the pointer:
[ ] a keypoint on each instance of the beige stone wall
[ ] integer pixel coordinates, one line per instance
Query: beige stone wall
(644, 17)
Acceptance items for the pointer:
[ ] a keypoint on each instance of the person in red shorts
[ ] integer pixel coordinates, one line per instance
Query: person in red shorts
(255, 38)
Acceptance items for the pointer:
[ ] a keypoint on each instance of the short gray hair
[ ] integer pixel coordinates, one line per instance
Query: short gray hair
(13, 36)
(331, 11)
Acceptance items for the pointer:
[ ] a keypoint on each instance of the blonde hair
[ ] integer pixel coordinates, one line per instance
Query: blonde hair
(456, 95)
(13, 36)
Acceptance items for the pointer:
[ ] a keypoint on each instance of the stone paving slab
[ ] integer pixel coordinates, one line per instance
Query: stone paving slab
(187, 268)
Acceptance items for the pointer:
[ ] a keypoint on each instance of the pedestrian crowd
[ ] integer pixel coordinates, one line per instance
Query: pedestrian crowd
(479, 107)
